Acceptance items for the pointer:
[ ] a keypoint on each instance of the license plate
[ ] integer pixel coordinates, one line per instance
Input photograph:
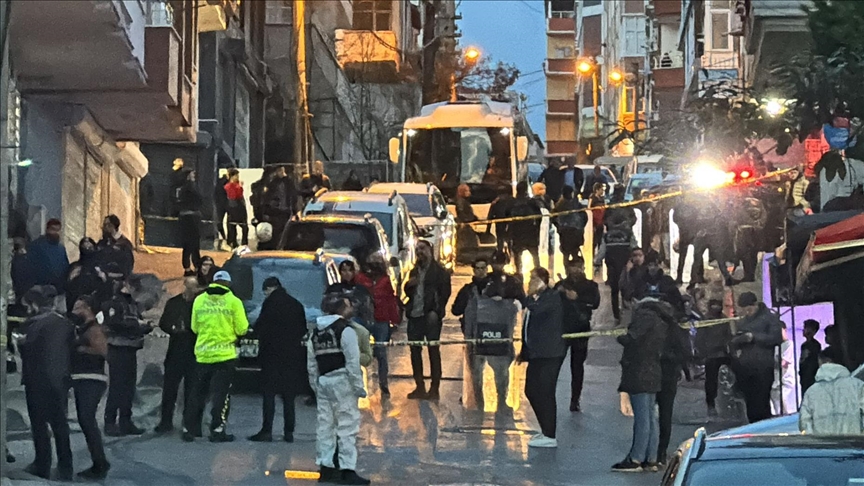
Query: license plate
(249, 348)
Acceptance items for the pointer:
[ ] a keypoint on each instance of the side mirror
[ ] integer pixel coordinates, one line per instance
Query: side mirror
(442, 214)
(394, 262)
(521, 148)
(394, 150)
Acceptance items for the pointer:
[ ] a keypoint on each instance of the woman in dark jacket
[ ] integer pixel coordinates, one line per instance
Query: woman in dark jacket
(544, 350)
(641, 377)
(206, 270)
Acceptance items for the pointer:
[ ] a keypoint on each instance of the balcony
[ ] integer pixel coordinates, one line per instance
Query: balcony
(368, 56)
(774, 34)
(561, 147)
(213, 15)
(566, 26)
(668, 71)
(664, 8)
(561, 66)
(720, 60)
(561, 107)
(90, 58)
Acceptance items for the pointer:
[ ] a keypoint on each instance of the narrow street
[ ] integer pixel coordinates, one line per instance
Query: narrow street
(401, 441)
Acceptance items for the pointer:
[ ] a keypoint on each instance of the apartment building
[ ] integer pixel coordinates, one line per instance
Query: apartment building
(562, 112)
(95, 78)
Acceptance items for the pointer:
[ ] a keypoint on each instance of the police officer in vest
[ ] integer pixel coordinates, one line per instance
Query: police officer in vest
(333, 360)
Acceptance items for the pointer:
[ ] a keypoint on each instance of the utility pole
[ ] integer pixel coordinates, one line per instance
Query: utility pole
(5, 250)
(301, 123)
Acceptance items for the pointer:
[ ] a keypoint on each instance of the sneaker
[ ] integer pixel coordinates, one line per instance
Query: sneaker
(95, 472)
(221, 437)
(164, 428)
(113, 430)
(543, 442)
(650, 466)
(627, 465)
(288, 437)
(262, 436)
(417, 394)
(661, 459)
(130, 429)
(351, 477)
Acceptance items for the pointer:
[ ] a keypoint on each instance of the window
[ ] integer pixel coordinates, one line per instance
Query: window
(634, 36)
(280, 12)
(372, 14)
(720, 30)
(563, 52)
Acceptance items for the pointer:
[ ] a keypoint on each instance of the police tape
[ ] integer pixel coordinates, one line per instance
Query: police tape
(575, 335)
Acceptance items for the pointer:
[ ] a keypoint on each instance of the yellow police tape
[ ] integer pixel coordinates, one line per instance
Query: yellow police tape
(575, 335)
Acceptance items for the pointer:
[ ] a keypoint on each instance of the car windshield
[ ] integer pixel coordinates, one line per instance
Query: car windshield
(447, 157)
(303, 280)
(418, 205)
(637, 184)
(352, 239)
(791, 471)
(386, 219)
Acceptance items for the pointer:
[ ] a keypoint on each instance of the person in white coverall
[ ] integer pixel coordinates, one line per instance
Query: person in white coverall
(333, 360)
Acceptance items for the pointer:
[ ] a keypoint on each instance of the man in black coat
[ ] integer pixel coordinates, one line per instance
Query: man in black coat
(428, 290)
(176, 321)
(524, 234)
(752, 350)
(220, 205)
(46, 355)
(189, 202)
(114, 247)
(280, 328)
(280, 204)
(580, 298)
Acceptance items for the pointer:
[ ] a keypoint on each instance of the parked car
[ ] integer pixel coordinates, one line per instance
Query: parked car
(767, 460)
(611, 179)
(305, 275)
(641, 182)
(389, 209)
(427, 207)
(342, 237)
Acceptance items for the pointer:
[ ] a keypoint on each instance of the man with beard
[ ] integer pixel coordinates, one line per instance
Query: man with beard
(176, 321)
(513, 288)
(114, 247)
(428, 290)
(386, 311)
(580, 298)
(49, 263)
(280, 329)
(46, 357)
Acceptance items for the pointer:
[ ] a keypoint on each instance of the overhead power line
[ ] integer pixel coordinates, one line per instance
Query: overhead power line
(532, 7)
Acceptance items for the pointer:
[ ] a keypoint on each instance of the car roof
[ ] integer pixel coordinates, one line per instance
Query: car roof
(304, 257)
(359, 201)
(399, 187)
(767, 446)
(336, 218)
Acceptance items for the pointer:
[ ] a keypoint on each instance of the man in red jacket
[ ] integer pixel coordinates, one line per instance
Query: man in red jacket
(377, 281)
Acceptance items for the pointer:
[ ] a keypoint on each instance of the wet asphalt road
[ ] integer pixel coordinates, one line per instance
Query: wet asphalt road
(403, 441)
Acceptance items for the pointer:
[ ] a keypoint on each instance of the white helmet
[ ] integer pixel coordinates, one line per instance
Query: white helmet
(264, 231)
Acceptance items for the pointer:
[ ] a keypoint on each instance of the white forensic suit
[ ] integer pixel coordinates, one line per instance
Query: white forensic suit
(333, 360)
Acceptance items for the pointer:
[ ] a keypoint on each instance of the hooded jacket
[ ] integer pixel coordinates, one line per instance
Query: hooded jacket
(349, 343)
(643, 347)
(542, 329)
(834, 405)
(218, 318)
(767, 331)
(46, 352)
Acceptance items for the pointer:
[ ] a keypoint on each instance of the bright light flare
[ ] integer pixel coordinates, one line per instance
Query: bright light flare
(411, 132)
(585, 67)
(472, 54)
(616, 76)
(774, 108)
(708, 177)
(745, 174)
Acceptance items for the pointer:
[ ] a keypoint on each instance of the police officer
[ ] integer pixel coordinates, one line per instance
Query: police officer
(333, 362)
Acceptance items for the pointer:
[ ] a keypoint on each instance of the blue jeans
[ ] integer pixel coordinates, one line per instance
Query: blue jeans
(381, 333)
(646, 436)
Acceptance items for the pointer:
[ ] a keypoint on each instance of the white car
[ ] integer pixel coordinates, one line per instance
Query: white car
(427, 207)
(389, 209)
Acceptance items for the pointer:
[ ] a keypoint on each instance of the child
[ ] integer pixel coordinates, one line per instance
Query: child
(810, 350)
(783, 391)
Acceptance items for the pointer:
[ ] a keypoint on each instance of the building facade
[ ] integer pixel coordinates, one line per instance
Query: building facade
(562, 113)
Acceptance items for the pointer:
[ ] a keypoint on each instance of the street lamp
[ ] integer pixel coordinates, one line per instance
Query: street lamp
(774, 107)
(616, 76)
(471, 55)
(589, 66)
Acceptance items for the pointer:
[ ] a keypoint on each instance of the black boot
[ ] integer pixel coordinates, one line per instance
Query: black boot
(419, 393)
(128, 428)
(221, 437)
(262, 436)
(351, 477)
(97, 472)
(329, 475)
(164, 428)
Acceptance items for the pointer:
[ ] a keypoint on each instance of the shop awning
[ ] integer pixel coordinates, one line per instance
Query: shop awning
(831, 246)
